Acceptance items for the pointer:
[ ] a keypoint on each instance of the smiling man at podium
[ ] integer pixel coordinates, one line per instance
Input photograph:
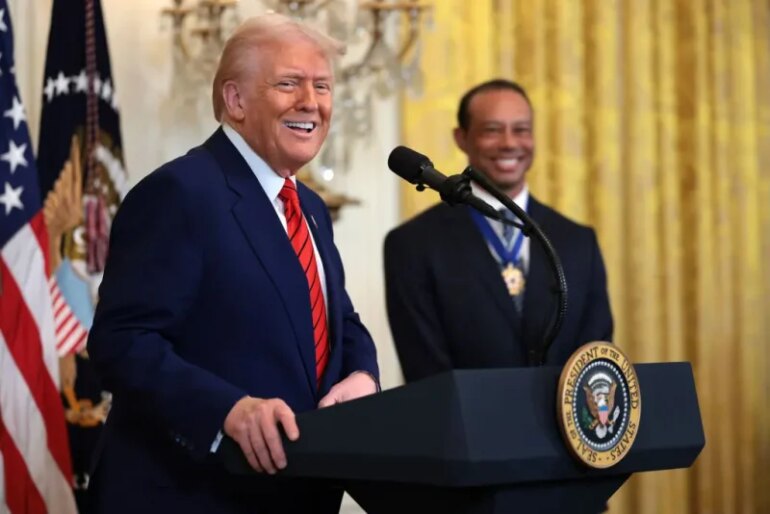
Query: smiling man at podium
(223, 309)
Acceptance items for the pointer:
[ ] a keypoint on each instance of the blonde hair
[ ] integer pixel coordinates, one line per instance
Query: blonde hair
(244, 44)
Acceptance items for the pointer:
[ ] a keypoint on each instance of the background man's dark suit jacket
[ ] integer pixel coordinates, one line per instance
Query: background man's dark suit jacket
(203, 302)
(448, 306)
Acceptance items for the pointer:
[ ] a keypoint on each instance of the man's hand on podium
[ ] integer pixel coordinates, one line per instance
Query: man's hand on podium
(356, 385)
(253, 424)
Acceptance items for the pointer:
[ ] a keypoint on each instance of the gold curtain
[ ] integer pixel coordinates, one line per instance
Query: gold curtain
(652, 123)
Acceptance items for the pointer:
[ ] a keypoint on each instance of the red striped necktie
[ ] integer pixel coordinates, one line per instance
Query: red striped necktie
(299, 236)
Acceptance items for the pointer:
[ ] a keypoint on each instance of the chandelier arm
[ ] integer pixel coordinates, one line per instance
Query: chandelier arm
(178, 15)
(410, 40)
(355, 69)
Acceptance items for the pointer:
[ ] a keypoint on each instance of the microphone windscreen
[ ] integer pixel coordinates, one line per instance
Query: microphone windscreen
(408, 164)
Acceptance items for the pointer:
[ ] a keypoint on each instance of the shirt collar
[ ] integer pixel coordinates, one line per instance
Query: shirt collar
(521, 199)
(271, 182)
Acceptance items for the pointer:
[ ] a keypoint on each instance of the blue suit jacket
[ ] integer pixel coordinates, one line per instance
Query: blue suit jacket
(203, 301)
(448, 306)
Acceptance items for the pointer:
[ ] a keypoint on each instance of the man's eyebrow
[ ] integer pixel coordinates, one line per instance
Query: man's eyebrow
(291, 75)
(296, 74)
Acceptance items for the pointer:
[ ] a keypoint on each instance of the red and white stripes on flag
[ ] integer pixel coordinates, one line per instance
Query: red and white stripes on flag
(71, 335)
(35, 465)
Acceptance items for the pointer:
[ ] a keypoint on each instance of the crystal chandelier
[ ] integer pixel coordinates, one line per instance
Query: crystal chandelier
(382, 37)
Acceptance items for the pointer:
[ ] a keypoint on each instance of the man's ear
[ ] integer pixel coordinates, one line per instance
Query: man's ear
(459, 135)
(233, 102)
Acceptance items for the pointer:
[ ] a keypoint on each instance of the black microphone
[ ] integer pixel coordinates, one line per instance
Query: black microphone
(416, 168)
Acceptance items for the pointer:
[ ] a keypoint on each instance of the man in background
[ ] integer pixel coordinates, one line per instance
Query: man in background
(465, 292)
(223, 309)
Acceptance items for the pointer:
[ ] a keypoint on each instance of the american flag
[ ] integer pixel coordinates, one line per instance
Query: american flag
(35, 467)
(82, 178)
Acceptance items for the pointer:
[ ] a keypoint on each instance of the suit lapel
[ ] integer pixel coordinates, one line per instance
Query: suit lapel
(260, 225)
(467, 239)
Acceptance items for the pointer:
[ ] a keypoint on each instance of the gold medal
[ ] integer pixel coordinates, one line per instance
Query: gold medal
(514, 279)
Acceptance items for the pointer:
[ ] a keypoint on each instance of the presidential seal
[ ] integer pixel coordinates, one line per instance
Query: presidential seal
(599, 404)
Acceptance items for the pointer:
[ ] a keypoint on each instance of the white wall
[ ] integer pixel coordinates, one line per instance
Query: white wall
(154, 130)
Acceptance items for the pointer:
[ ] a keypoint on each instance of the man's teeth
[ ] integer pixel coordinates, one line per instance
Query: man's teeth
(507, 163)
(304, 125)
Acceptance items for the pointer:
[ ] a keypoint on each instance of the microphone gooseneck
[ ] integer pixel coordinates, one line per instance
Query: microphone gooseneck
(536, 355)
